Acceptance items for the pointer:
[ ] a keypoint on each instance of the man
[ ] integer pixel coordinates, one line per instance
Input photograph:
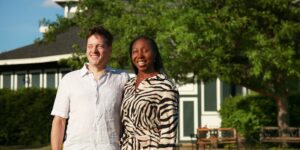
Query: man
(90, 99)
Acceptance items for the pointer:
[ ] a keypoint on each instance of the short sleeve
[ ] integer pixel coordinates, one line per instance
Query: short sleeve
(125, 78)
(61, 105)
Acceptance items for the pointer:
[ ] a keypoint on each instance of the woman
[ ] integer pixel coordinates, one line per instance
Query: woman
(149, 109)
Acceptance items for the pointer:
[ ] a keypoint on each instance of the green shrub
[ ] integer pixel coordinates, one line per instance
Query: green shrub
(249, 113)
(25, 116)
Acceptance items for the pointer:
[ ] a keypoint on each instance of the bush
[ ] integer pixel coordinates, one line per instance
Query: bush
(249, 113)
(25, 116)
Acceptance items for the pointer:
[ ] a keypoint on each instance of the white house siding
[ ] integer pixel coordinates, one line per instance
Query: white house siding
(199, 105)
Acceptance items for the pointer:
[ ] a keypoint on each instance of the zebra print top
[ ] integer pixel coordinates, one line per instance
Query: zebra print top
(149, 114)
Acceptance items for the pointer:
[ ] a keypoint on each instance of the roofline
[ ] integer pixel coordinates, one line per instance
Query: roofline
(34, 60)
(63, 2)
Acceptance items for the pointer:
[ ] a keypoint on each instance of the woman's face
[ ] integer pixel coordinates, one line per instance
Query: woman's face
(143, 56)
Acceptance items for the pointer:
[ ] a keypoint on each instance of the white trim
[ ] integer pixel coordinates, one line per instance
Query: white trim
(44, 28)
(194, 100)
(188, 89)
(1, 81)
(210, 121)
(34, 60)
(202, 97)
(244, 91)
(66, 11)
(218, 88)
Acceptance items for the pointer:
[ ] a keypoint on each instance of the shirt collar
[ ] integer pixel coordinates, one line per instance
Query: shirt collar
(156, 77)
(85, 71)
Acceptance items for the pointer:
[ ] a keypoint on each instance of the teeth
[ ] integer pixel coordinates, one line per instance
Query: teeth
(94, 56)
(141, 63)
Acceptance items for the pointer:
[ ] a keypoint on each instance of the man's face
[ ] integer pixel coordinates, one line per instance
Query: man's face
(97, 51)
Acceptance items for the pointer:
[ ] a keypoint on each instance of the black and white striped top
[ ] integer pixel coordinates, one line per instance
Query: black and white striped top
(149, 114)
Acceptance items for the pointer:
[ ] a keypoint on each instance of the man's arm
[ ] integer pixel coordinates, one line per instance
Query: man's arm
(57, 132)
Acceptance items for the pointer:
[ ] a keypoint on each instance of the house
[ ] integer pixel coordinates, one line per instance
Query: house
(37, 66)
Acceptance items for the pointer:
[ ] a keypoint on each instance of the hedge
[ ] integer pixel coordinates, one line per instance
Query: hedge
(25, 116)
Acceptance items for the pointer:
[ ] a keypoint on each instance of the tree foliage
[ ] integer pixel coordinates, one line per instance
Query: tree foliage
(256, 40)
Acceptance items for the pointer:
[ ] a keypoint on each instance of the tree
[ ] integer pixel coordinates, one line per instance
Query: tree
(250, 43)
(253, 44)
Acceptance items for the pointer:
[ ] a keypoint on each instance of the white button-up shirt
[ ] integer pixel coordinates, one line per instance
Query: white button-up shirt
(92, 108)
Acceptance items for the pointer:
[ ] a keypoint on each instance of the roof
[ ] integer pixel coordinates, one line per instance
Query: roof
(63, 2)
(61, 46)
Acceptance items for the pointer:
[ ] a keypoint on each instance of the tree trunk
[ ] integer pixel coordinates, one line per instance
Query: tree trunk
(283, 117)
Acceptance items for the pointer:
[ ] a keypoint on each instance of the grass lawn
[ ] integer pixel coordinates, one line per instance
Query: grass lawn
(20, 148)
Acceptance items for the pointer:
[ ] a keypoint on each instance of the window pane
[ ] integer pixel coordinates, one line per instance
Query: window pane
(21, 81)
(7, 81)
(35, 80)
(210, 96)
(51, 80)
(239, 90)
(226, 91)
(188, 118)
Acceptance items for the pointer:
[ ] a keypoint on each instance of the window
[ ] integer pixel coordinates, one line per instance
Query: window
(7, 81)
(210, 96)
(21, 80)
(188, 115)
(236, 90)
(50, 80)
(35, 80)
(225, 90)
(188, 118)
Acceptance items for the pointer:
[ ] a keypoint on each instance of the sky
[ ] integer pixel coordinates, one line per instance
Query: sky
(19, 21)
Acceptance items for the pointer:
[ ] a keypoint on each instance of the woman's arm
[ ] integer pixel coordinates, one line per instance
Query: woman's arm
(168, 110)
